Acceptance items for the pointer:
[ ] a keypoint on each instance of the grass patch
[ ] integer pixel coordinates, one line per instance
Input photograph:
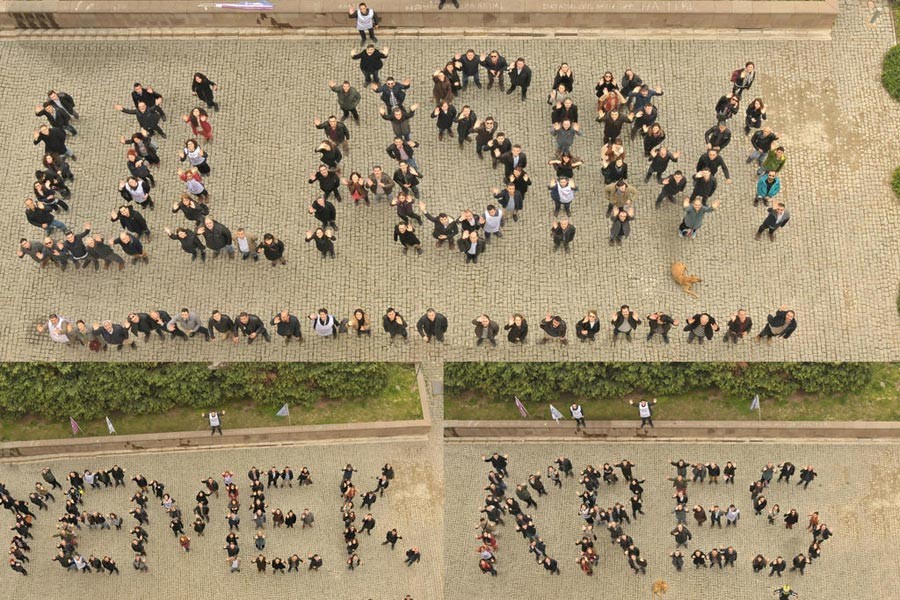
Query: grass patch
(397, 401)
(878, 401)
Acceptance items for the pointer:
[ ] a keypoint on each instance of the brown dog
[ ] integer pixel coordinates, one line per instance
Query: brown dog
(681, 277)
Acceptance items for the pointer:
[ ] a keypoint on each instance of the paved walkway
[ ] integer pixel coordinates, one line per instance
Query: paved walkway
(855, 495)
(409, 505)
(840, 284)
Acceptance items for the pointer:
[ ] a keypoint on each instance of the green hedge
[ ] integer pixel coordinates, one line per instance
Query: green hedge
(895, 182)
(92, 390)
(890, 72)
(595, 381)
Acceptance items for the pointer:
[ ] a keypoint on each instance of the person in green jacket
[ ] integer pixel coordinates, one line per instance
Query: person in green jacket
(774, 161)
(348, 99)
(693, 216)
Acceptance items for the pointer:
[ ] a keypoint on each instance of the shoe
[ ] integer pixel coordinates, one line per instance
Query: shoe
(515, 217)
(490, 84)
(121, 266)
(479, 341)
(564, 342)
(405, 251)
(478, 85)
(509, 91)
(618, 241)
(757, 237)
(612, 242)
(493, 342)
(440, 136)
(756, 201)
(419, 251)
(771, 236)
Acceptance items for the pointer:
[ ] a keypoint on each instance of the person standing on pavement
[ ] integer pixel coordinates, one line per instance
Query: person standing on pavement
(782, 324)
(519, 77)
(694, 211)
(348, 99)
(777, 218)
(432, 326)
(287, 326)
(366, 21)
(739, 326)
(203, 87)
(485, 329)
(645, 411)
(371, 61)
(660, 323)
(215, 421)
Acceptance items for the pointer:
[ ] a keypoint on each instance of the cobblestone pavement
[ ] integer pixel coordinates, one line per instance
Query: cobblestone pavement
(839, 161)
(855, 495)
(409, 505)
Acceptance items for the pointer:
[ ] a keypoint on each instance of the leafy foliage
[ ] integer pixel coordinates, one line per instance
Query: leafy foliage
(890, 72)
(895, 182)
(589, 381)
(91, 390)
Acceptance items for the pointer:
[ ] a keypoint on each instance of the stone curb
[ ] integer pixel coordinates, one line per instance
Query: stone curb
(740, 430)
(193, 440)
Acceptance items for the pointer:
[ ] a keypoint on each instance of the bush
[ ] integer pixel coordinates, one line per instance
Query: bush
(895, 182)
(890, 72)
(539, 381)
(92, 390)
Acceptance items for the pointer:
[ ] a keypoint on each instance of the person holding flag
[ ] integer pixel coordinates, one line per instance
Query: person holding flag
(215, 421)
(645, 411)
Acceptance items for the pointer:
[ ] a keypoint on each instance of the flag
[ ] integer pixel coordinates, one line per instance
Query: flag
(555, 414)
(109, 425)
(75, 428)
(284, 411)
(755, 404)
(521, 408)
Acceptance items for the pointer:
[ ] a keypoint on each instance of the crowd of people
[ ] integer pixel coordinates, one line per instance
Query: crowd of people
(431, 327)
(626, 108)
(75, 517)
(499, 503)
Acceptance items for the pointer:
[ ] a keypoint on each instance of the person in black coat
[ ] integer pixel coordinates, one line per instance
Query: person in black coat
(147, 118)
(324, 212)
(392, 93)
(624, 321)
(217, 237)
(131, 245)
(432, 325)
(273, 249)
(251, 326)
(329, 182)
(777, 218)
(739, 325)
(152, 99)
(659, 161)
(718, 136)
(485, 329)
(371, 61)
(394, 324)
(324, 241)
(469, 64)
(519, 76)
(407, 177)
(192, 211)
(57, 117)
(588, 327)
(445, 116)
(190, 243)
(496, 67)
(203, 87)
(131, 221)
(54, 139)
(406, 235)
(445, 228)
(712, 161)
(782, 325)
(517, 329)
(512, 159)
(471, 246)
(562, 233)
(565, 111)
(287, 326)
(701, 326)
(672, 186)
(660, 323)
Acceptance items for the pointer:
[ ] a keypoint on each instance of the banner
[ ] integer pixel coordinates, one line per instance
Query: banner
(555, 414)
(284, 411)
(109, 425)
(521, 408)
(75, 428)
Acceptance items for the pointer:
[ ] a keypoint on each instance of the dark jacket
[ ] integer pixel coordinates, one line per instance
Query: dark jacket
(132, 248)
(426, 326)
(407, 238)
(254, 325)
(778, 320)
(398, 91)
(325, 213)
(561, 235)
(135, 222)
(39, 216)
(54, 141)
(149, 119)
(506, 158)
(394, 327)
(217, 237)
(736, 326)
(771, 218)
(117, 337)
(516, 334)
(762, 142)
(499, 66)
(469, 67)
(189, 243)
(327, 182)
(522, 79)
(394, 152)
(464, 244)
(492, 329)
(59, 118)
(76, 247)
(708, 330)
(562, 113)
(662, 324)
(369, 63)
(450, 230)
(714, 137)
(192, 211)
(408, 179)
(632, 320)
(559, 331)
(273, 251)
(713, 165)
(289, 328)
(445, 120)
(223, 325)
(338, 134)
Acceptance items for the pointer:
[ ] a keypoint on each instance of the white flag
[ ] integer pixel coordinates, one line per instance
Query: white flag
(555, 414)
(284, 412)
(755, 404)
(521, 408)
(109, 425)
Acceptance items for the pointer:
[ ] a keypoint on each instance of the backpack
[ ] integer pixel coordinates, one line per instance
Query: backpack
(735, 75)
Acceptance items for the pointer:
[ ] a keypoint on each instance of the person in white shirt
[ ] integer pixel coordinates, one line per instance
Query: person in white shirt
(645, 411)
(492, 222)
(578, 415)
(215, 421)
(366, 21)
(57, 328)
(324, 324)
